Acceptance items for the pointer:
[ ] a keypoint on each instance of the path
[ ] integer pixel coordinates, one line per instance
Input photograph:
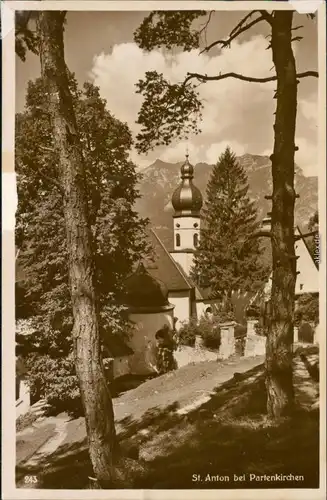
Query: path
(189, 387)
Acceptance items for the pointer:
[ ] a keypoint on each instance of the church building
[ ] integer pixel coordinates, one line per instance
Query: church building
(174, 267)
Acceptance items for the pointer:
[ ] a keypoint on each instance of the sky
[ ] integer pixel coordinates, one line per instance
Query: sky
(99, 47)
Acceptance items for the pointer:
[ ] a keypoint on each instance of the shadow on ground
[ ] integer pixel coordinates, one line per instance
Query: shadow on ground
(227, 437)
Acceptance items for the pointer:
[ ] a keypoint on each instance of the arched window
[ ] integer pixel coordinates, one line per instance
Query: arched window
(178, 240)
(195, 239)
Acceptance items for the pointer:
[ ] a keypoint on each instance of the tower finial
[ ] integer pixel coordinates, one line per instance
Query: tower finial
(187, 154)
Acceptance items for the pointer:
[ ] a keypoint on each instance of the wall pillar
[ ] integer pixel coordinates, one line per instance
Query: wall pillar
(198, 342)
(227, 340)
(316, 331)
(296, 334)
(255, 345)
(251, 326)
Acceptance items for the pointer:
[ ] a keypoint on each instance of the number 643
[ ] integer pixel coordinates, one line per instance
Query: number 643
(30, 479)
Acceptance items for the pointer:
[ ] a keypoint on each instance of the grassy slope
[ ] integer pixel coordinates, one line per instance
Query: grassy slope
(228, 435)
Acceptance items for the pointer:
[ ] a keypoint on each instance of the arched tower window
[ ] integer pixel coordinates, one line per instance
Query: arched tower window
(195, 239)
(178, 240)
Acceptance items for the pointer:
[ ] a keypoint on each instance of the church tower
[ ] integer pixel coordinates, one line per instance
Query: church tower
(187, 203)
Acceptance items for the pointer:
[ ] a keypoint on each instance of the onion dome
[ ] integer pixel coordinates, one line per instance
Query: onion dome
(143, 292)
(187, 199)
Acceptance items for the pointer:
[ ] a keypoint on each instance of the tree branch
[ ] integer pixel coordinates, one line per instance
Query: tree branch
(52, 181)
(260, 234)
(206, 24)
(267, 17)
(206, 78)
(306, 235)
(234, 33)
(242, 21)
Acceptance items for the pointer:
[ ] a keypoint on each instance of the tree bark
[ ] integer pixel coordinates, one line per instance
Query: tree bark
(279, 373)
(97, 403)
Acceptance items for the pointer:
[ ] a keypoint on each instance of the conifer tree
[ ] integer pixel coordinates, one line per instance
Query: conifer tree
(171, 111)
(227, 258)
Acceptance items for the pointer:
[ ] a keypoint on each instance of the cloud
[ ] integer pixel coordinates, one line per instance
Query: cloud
(237, 113)
(307, 156)
(309, 109)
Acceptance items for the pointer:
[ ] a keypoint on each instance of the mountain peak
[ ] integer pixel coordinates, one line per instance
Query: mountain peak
(161, 178)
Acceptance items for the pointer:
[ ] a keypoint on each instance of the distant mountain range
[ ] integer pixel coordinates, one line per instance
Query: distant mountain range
(160, 179)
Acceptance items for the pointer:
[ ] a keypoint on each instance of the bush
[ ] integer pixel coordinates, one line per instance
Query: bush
(307, 309)
(210, 333)
(240, 331)
(188, 332)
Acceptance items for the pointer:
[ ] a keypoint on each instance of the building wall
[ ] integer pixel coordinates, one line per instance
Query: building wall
(181, 301)
(307, 281)
(186, 230)
(184, 259)
(121, 366)
(23, 402)
(142, 342)
(201, 308)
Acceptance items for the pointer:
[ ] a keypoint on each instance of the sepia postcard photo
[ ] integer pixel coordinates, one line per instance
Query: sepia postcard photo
(164, 249)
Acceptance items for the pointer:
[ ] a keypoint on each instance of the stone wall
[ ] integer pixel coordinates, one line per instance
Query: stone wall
(255, 345)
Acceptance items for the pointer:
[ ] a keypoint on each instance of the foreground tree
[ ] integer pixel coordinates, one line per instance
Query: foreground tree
(171, 110)
(118, 238)
(95, 394)
(223, 261)
(96, 399)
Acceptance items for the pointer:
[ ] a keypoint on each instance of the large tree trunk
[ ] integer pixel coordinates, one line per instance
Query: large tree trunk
(95, 395)
(279, 371)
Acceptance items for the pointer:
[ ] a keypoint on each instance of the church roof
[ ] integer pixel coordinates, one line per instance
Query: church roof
(164, 268)
(116, 346)
(144, 290)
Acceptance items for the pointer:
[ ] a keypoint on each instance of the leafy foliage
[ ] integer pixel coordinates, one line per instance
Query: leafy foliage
(210, 333)
(25, 38)
(118, 233)
(168, 110)
(307, 309)
(207, 329)
(188, 332)
(169, 29)
(314, 221)
(227, 258)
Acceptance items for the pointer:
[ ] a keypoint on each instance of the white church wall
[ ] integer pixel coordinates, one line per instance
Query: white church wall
(121, 366)
(143, 339)
(184, 259)
(201, 308)
(181, 301)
